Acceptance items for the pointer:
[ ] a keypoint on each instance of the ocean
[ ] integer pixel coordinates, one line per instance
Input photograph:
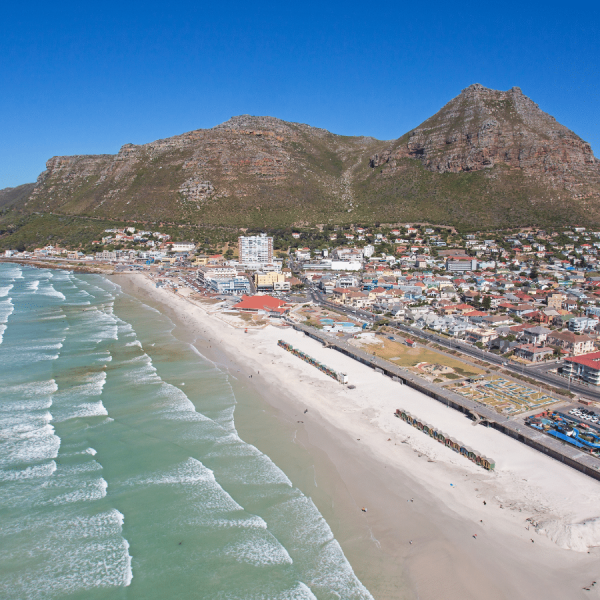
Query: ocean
(122, 474)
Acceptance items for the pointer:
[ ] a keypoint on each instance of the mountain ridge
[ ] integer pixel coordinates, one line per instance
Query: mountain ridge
(486, 159)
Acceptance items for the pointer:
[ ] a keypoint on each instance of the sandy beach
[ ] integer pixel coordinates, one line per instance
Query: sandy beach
(530, 529)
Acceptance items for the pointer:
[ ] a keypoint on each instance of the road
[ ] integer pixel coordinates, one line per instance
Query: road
(538, 372)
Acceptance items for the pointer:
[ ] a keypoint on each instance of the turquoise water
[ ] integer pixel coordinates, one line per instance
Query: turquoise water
(121, 471)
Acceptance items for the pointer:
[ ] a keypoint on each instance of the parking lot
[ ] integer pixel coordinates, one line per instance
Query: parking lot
(590, 415)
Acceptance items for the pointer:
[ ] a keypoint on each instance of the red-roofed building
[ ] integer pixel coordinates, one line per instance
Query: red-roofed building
(476, 316)
(256, 303)
(462, 308)
(586, 368)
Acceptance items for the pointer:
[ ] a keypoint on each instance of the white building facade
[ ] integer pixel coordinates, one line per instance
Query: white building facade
(255, 249)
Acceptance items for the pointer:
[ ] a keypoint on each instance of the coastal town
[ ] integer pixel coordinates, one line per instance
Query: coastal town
(508, 321)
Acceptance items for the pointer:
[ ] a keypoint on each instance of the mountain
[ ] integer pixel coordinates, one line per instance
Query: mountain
(487, 159)
(249, 170)
(14, 195)
(493, 157)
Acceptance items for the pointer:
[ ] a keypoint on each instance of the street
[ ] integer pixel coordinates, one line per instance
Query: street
(537, 372)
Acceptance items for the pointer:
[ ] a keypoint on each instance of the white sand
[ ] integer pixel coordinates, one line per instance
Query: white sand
(528, 497)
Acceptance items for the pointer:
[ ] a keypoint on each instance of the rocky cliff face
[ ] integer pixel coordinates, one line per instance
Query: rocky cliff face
(246, 164)
(486, 159)
(481, 128)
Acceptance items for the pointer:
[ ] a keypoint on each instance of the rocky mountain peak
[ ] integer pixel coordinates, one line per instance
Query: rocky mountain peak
(482, 128)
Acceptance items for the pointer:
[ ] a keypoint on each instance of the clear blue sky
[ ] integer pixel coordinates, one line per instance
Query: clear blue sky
(85, 78)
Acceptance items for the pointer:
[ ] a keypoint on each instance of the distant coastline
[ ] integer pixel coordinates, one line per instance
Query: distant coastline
(66, 266)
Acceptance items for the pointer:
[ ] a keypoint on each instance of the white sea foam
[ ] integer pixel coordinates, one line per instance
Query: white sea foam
(5, 289)
(86, 491)
(299, 591)
(76, 401)
(86, 409)
(6, 309)
(32, 286)
(11, 272)
(34, 351)
(35, 471)
(30, 390)
(26, 439)
(99, 325)
(258, 552)
(52, 317)
(71, 554)
(47, 289)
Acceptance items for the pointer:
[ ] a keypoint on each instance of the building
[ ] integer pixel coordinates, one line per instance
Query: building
(586, 368)
(573, 343)
(106, 255)
(182, 246)
(271, 281)
(461, 263)
(236, 286)
(216, 272)
(259, 303)
(255, 249)
(536, 335)
(223, 280)
(555, 300)
(581, 324)
(533, 353)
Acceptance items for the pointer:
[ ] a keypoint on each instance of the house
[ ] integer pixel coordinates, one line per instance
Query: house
(521, 309)
(503, 345)
(571, 342)
(495, 320)
(533, 353)
(483, 336)
(461, 309)
(106, 255)
(536, 335)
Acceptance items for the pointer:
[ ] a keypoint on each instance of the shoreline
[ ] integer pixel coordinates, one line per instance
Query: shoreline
(66, 266)
(346, 432)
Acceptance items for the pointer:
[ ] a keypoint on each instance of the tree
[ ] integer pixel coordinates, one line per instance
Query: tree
(486, 303)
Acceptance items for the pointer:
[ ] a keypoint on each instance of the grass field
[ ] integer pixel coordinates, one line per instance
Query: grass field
(403, 356)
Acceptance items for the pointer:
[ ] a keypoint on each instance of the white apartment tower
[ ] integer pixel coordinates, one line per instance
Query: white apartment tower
(255, 249)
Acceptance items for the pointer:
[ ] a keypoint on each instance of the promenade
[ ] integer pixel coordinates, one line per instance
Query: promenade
(514, 428)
